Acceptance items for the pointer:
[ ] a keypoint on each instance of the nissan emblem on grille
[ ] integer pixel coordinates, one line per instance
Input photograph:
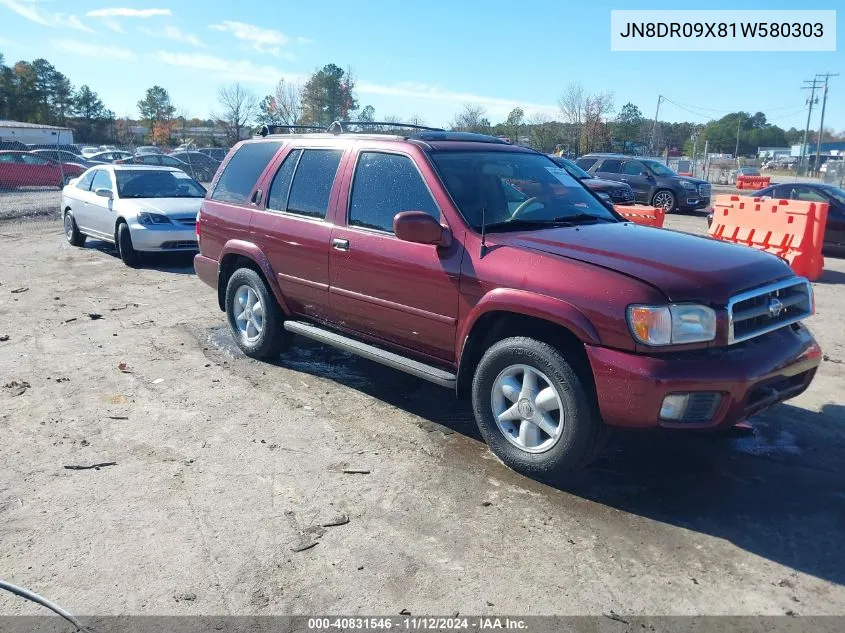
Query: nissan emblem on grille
(775, 307)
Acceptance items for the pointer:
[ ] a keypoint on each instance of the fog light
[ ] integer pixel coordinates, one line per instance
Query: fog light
(699, 406)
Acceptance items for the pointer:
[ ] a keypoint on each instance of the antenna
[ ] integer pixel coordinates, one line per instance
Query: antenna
(483, 231)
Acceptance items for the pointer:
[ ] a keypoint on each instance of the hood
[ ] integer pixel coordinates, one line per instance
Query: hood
(176, 208)
(601, 184)
(696, 181)
(684, 267)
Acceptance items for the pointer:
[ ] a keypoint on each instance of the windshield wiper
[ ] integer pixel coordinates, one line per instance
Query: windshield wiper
(578, 218)
(520, 223)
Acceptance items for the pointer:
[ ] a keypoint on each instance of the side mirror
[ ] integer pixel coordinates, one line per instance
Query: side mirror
(104, 193)
(421, 228)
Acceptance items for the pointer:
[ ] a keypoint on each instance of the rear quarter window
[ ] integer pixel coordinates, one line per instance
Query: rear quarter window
(242, 171)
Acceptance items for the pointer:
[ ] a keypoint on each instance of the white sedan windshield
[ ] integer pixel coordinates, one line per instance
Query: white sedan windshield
(157, 184)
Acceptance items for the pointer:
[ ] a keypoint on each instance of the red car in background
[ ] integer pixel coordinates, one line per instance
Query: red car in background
(24, 169)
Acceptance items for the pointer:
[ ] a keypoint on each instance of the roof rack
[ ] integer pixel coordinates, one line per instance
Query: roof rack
(288, 129)
(341, 127)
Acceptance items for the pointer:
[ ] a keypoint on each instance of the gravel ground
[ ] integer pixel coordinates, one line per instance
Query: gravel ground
(226, 491)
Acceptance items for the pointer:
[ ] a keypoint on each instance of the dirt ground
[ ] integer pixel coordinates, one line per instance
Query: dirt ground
(225, 470)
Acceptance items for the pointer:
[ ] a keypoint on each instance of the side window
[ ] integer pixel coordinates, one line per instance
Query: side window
(586, 163)
(780, 191)
(32, 159)
(243, 170)
(384, 185)
(610, 166)
(279, 190)
(85, 182)
(312, 183)
(8, 158)
(150, 159)
(102, 180)
(634, 168)
(805, 193)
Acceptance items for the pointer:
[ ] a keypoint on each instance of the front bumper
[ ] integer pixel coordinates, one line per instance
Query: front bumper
(693, 202)
(751, 377)
(163, 238)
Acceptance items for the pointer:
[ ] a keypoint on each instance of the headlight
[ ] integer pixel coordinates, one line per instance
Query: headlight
(688, 185)
(603, 195)
(152, 218)
(675, 324)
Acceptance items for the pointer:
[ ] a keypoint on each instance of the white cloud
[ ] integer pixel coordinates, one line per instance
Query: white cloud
(113, 25)
(29, 9)
(261, 39)
(416, 90)
(87, 49)
(172, 33)
(122, 12)
(241, 70)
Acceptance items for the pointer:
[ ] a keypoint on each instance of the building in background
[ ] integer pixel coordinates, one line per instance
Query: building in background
(34, 133)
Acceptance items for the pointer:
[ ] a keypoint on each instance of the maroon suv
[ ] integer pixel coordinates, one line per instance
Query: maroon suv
(486, 268)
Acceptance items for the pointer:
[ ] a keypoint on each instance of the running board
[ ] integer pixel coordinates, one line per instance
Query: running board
(370, 352)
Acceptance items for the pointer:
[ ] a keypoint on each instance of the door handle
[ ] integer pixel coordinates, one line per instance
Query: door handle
(340, 244)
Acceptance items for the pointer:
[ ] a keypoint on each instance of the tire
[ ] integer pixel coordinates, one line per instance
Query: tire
(666, 199)
(258, 332)
(127, 252)
(74, 237)
(579, 428)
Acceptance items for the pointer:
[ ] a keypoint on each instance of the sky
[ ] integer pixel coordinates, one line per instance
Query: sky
(410, 58)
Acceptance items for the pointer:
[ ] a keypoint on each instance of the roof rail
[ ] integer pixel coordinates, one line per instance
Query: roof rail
(340, 127)
(288, 129)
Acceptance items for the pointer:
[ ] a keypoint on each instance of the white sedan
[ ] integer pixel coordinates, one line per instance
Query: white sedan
(136, 207)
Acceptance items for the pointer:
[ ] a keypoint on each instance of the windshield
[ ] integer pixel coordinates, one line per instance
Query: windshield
(147, 183)
(659, 168)
(835, 192)
(572, 169)
(515, 188)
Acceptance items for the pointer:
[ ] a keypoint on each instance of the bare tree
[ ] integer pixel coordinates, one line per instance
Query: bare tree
(238, 107)
(572, 104)
(471, 119)
(595, 135)
(288, 102)
(542, 132)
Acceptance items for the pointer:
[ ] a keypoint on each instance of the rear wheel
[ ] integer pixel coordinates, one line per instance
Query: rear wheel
(254, 317)
(534, 409)
(74, 237)
(127, 252)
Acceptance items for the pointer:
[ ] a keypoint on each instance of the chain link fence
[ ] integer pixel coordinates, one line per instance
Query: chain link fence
(32, 176)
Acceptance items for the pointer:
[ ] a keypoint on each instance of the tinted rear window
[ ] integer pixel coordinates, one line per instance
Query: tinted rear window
(585, 163)
(243, 170)
(610, 166)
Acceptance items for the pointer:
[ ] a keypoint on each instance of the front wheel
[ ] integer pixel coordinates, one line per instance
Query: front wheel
(665, 200)
(127, 252)
(533, 408)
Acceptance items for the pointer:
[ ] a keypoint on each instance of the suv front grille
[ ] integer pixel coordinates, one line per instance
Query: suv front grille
(704, 190)
(766, 309)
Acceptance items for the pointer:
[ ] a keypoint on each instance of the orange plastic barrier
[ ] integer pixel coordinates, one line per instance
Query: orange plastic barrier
(753, 182)
(647, 216)
(791, 229)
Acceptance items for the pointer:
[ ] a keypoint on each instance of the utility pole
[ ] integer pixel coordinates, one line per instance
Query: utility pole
(813, 85)
(654, 126)
(736, 151)
(827, 77)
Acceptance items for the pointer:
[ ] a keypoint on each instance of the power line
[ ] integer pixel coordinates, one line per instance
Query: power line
(728, 111)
